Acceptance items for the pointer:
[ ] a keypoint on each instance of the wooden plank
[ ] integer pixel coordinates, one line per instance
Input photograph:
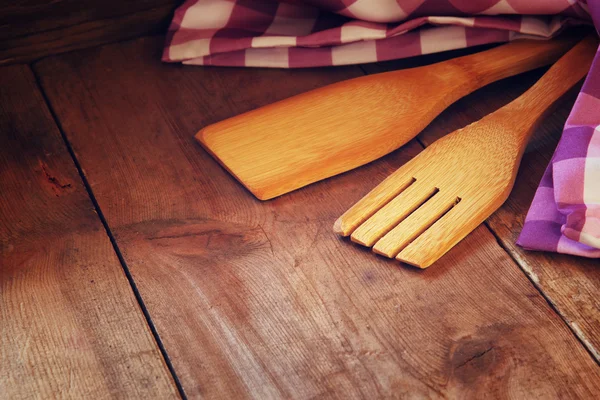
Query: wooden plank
(261, 299)
(41, 27)
(570, 283)
(70, 324)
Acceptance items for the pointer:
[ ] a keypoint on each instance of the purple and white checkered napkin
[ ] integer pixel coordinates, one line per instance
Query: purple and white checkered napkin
(565, 215)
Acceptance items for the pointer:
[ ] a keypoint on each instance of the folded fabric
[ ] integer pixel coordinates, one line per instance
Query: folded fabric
(256, 33)
(565, 215)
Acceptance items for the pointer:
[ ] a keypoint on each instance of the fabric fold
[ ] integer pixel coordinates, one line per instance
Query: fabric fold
(336, 32)
(565, 212)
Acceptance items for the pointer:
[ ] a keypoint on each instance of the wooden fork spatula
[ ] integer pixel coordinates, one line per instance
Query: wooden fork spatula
(312, 136)
(432, 202)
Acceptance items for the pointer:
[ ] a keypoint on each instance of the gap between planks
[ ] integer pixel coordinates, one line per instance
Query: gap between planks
(191, 126)
(535, 282)
(580, 337)
(111, 237)
(528, 274)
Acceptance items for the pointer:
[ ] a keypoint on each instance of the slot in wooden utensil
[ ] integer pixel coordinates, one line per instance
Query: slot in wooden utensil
(432, 202)
(312, 136)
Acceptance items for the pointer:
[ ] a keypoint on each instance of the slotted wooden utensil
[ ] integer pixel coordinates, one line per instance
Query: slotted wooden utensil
(432, 202)
(312, 136)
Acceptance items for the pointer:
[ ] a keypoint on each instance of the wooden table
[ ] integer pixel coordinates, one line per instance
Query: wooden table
(132, 265)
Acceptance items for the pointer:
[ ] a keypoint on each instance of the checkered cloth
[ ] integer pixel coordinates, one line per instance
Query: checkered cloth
(258, 33)
(565, 215)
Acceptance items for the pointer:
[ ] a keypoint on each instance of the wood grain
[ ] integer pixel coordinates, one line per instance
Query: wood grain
(34, 29)
(262, 300)
(569, 283)
(70, 324)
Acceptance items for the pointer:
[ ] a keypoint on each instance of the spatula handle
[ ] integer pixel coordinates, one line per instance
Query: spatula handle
(514, 58)
(561, 77)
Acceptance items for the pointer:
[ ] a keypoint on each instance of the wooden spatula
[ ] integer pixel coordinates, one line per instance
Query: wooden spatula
(432, 202)
(312, 136)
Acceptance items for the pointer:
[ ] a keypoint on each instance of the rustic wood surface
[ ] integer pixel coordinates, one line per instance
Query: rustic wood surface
(36, 28)
(262, 300)
(70, 326)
